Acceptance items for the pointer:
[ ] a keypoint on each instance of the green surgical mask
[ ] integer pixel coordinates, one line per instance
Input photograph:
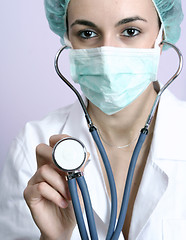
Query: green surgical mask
(111, 78)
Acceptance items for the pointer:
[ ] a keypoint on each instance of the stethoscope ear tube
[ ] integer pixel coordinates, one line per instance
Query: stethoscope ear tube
(56, 60)
(113, 232)
(177, 73)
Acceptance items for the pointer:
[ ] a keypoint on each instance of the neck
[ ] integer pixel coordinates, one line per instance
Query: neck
(123, 127)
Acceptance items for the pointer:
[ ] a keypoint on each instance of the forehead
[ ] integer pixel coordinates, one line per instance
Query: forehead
(111, 9)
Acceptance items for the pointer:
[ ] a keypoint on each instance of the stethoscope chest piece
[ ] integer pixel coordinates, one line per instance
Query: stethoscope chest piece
(69, 154)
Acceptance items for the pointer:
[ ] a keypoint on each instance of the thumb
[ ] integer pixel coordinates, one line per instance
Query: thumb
(55, 138)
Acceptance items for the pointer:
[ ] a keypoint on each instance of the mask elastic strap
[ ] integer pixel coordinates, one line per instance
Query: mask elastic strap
(67, 41)
(159, 37)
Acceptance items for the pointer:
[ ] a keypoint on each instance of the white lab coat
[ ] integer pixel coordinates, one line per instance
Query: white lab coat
(160, 207)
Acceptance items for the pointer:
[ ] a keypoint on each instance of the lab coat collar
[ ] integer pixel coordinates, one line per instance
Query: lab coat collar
(155, 177)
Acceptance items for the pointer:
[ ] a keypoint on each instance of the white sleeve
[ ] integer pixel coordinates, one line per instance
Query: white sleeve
(15, 219)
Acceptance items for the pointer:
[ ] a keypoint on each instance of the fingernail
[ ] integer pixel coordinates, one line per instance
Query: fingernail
(63, 204)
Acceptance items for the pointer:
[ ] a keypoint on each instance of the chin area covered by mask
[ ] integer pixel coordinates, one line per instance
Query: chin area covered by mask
(111, 78)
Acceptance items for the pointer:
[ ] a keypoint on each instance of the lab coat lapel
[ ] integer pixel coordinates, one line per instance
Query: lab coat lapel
(155, 180)
(155, 177)
(153, 185)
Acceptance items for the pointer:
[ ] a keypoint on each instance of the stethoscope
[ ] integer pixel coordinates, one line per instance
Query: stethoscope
(70, 154)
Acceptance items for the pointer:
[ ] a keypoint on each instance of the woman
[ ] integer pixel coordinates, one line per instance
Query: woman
(157, 202)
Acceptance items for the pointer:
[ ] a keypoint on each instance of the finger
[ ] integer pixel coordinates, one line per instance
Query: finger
(33, 194)
(43, 155)
(87, 157)
(48, 174)
(55, 138)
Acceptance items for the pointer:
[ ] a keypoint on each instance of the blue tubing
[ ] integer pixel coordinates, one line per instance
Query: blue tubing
(128, 184)
(77, 208)
(88, 207)
(111, 182)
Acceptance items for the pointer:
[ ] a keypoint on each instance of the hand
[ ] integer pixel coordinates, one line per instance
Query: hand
(48, 197)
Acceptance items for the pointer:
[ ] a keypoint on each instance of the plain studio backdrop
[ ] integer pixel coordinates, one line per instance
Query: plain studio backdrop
(30, 88)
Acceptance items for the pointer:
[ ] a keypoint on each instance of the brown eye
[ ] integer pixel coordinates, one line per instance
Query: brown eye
(130, 32)
(86, 34)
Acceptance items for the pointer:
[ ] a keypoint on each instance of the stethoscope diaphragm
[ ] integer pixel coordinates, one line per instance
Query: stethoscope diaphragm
(69, 154)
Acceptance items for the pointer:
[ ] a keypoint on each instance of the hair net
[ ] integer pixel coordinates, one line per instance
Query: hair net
(170, 13)
(56, 11)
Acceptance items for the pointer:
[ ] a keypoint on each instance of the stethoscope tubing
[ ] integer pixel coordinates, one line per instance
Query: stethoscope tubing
(112, 185)
(89, 121)
(166, 85)
(86, 197)
(128, 184)
(88, 207)
(77, 209)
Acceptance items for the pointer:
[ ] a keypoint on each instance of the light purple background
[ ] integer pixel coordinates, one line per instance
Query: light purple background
(30, 88)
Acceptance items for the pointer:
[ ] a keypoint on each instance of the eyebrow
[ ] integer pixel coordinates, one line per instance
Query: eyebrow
(83, 22)
(130, 19)
(123, 21)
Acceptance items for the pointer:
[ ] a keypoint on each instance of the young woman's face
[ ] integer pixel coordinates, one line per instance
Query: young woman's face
(117, 23)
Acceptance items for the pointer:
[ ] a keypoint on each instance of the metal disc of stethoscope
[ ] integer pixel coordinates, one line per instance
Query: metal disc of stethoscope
(69, 154)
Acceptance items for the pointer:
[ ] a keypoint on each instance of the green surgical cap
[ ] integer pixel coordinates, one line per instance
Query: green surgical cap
(56, 12)
(171, 15)
(169, 11)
